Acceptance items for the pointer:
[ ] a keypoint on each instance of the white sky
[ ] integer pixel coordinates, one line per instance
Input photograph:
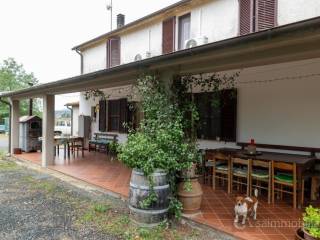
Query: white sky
(40, 33)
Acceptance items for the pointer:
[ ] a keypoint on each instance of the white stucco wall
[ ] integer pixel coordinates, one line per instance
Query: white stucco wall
(141, 41)
(216, 20)
(290, 11)
(94, 58)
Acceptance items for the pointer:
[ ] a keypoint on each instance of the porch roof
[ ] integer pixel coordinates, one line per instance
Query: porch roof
(292, 42)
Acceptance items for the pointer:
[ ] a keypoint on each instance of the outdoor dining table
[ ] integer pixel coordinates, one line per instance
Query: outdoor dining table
(303, 162)
(67, 142)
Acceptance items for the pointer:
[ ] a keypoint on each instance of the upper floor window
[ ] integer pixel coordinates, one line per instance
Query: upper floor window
(168, 35)
(113, 52)
(257, 15)
(184, 30)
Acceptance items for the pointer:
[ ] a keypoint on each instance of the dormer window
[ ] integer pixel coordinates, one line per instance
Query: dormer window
(257, 15)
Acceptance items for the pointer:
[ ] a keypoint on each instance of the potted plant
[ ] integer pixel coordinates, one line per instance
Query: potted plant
(311, 223)
(156, 152)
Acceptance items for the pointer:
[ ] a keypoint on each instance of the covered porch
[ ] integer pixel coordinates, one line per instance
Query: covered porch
(295, 47)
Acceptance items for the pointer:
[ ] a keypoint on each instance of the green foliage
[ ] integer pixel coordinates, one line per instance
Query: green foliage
(14, 77)
(159, 142)
(100, 208)
(311, 219)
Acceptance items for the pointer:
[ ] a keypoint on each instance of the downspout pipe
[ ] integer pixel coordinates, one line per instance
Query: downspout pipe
(10, 112)
(71, 110)
(81, 60)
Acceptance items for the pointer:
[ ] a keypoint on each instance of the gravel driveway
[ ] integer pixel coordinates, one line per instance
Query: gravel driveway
(35, 206)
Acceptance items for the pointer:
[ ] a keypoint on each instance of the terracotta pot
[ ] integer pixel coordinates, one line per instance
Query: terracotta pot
(191, 200)
(17, 151)
(307, 236)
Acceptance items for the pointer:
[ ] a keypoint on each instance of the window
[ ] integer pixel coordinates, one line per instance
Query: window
(168, 35)
(257, 15)
(184, 30)
(113, 52)
(217, 115)
(114, 115)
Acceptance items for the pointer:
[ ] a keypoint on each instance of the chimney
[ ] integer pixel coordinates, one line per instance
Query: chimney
(120, 20)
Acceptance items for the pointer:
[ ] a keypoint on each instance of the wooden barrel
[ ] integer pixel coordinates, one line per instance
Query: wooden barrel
(140, 190)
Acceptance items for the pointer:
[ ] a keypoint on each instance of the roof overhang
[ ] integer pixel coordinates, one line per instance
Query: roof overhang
(293, 42)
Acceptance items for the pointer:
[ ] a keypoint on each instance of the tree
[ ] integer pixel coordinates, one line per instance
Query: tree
(14, 77)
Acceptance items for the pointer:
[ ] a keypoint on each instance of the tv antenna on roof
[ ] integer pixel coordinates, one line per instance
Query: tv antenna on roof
(109, 8)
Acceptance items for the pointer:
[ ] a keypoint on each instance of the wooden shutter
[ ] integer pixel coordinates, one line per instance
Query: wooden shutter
(123, 115)
(228, 114)
(168, 35)
(265, 14)
(102, 116)
(246, 11)
(113, 52)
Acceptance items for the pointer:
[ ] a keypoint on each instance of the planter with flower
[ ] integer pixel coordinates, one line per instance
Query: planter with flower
(311, 223)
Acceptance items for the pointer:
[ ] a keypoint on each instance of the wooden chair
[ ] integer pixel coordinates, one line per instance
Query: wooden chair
(284, 177)
(261, 176)
(221, 170)
(240, 173)
(76, 146)
(207, 167)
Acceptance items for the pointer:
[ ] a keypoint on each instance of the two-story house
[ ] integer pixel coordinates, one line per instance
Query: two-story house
(191, 23)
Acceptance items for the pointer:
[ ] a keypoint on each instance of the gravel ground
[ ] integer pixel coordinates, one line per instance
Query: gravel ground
(29, 212)
(35, 204)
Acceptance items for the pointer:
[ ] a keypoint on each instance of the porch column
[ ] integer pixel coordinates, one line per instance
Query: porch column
(14, 121)
(48, 131)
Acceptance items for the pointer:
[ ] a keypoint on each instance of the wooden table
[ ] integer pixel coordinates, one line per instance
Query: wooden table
(303, 162)
(66, 141)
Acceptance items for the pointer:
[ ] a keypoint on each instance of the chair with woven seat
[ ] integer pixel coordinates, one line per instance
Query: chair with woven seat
(240, 174)
(221, 169)
(284, 179)
(261, 175)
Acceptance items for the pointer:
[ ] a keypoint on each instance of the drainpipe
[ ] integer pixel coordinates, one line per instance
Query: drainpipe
(71, 110)
(10, 110)
(81, 60)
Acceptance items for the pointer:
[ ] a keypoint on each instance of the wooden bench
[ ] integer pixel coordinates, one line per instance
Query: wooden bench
(101, 140)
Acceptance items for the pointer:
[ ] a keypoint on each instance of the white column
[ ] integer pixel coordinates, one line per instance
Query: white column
(15, 114)
(48, 131)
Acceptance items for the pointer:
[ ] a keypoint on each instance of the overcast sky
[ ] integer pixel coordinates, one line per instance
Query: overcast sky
(40, 33)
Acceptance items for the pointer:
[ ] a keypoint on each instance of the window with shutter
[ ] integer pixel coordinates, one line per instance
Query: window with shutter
(168, 35)
(117, 115)
(102, 116)
(246, 16)
(113, 52)
(256, 15)
(265, 14)
(113, 115)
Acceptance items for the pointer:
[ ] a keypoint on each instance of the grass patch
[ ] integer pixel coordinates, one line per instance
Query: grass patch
(3, 154)
(8, 165)
(118, 223)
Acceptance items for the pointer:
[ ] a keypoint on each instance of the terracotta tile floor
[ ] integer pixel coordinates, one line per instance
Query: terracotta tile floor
(273, 221)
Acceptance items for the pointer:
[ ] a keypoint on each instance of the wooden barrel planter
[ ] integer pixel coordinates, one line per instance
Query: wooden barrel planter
(140, 190)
